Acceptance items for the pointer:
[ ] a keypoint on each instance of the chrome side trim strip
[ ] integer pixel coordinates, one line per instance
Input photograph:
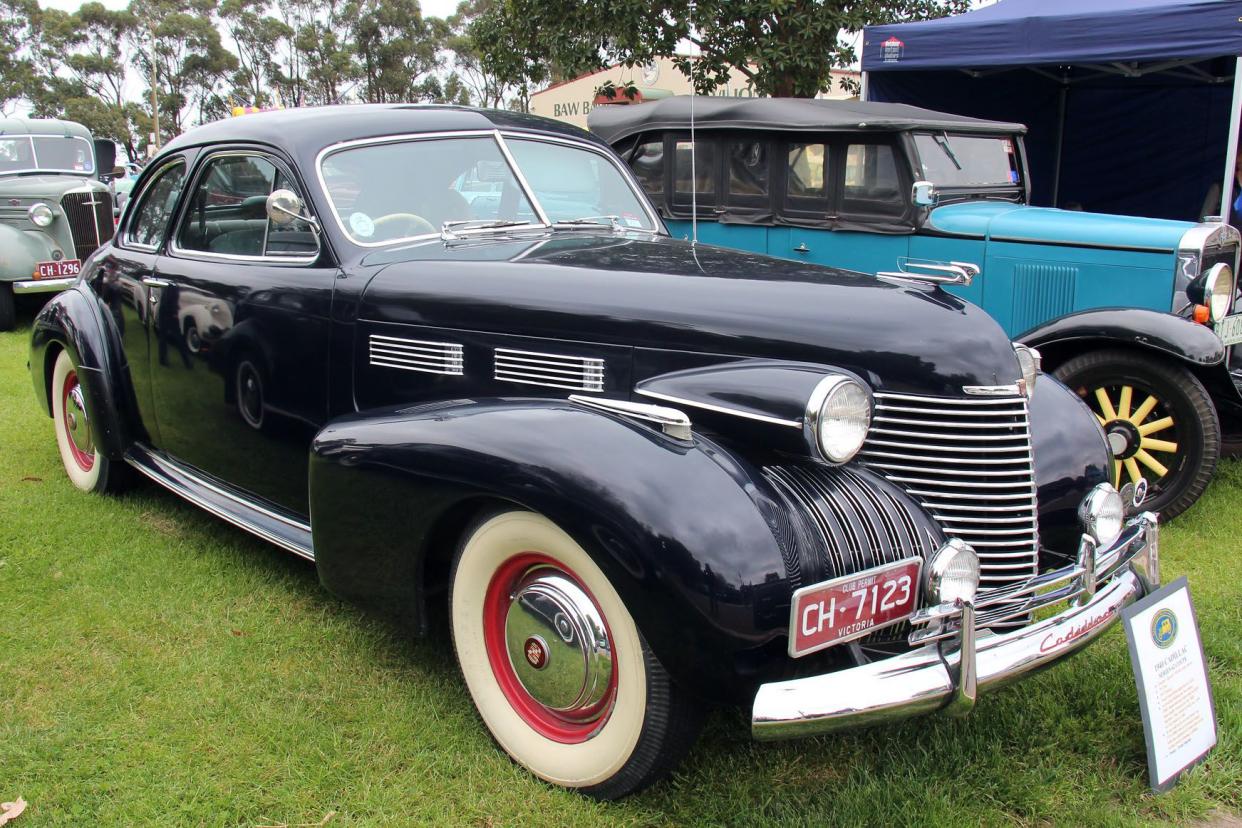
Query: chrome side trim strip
(165, 472)
(447, 358)
(573, 373)
(720, 409)
(44, 285)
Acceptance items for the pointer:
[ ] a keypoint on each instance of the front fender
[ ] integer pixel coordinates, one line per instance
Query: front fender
(696, 539)
(71, 320)
(1175, 336)
(20, 251)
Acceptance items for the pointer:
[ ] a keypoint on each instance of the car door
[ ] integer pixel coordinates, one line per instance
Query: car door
(241, 315)
(127, 270)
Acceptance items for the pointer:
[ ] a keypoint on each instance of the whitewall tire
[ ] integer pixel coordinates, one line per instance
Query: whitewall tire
(86, 467)
(555, 664)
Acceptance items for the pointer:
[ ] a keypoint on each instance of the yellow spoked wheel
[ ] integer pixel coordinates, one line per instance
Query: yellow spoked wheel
(1158, 419)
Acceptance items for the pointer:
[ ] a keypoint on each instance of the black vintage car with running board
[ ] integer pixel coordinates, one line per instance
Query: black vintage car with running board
(648, 475)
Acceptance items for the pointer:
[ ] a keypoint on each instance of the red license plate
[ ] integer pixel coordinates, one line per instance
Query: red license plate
(58, 270)
(846, 608)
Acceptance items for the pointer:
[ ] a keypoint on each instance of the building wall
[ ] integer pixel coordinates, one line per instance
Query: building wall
(571, 101)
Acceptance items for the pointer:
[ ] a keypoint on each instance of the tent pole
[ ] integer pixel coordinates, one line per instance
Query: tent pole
(1231, 149)
(862, 95)
(1056, 164)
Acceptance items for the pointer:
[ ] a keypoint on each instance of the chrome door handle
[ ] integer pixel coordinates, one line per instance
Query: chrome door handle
(151, 281)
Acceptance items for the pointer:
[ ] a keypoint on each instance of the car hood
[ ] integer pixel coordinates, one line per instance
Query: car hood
(45, 186)
(1003, 221)
(665, 293)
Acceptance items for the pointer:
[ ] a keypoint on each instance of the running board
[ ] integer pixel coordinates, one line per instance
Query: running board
(282, 529)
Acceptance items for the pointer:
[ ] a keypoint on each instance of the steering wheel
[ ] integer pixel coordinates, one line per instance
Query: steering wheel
(397, 225)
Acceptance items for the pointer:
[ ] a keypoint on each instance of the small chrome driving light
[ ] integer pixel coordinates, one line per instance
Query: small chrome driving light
(952, 573)
(1213, 289)
(1030, 362)
(41, 215)
(1102, 513)
(838, 415)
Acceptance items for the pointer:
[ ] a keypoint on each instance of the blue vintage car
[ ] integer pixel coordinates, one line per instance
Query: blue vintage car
(1134, 314)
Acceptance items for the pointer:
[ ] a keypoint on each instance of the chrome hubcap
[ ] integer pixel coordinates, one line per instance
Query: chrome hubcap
(558, 645)
(77, 421)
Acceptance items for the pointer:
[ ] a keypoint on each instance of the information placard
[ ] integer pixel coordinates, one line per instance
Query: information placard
(1179, 718)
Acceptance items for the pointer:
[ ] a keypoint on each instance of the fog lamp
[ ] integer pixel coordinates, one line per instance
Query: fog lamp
(952, 573)
(41, 215)
(838, 415)
(1029, 361)
(1102, 513)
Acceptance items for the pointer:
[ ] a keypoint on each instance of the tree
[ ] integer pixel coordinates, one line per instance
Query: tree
(256, 36)
(325, 55)
(396, 48)
(472, 67)
(190, 61)
(19, 24)
(785, 48)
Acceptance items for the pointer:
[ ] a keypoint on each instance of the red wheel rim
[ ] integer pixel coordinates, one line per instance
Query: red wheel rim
(85, 461)
(543, 720)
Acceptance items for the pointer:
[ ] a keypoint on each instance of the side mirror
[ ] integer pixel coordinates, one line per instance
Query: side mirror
(284, 207)
(924, 193)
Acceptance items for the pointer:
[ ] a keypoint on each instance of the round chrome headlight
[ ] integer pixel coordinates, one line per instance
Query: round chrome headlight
(1102, 514)
(1030, 362)
(837, 417)
(41, 215)
(952, 573)
(1215, 290)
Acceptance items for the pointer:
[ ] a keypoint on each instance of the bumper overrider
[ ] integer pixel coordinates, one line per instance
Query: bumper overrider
(959, 656)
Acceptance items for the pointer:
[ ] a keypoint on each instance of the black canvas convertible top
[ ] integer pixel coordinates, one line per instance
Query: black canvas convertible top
(613, 123)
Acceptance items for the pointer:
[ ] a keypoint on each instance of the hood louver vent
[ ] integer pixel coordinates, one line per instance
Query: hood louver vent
(417, 355)
(552, 370)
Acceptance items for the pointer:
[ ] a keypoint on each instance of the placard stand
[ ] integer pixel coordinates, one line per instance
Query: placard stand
(1175, 696)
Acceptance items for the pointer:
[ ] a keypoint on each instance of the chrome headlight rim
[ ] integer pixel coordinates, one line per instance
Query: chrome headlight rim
(1214, 290)
(1102, 514)
(1030, 363)
(954, 558)
(815, 430)
(41, 214)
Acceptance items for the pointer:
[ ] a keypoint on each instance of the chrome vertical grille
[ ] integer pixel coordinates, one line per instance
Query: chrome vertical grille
(90, 220)
(553, 370)
(416, 355)
(968, 462)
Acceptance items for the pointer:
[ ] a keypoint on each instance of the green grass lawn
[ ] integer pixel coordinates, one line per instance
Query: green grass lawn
(158, 666)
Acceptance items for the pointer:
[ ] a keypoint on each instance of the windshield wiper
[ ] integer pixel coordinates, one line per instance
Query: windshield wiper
(601, 221)
(447, 228)
(943, 141)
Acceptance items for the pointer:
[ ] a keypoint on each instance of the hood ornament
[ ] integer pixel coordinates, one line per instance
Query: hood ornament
(931, 272)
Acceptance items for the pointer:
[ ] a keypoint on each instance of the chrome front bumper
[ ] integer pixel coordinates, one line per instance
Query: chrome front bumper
(44, 285)
(961, 660)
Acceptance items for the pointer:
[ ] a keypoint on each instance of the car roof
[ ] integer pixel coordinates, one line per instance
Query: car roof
(615, 122)
(43, 126)
(303, 131)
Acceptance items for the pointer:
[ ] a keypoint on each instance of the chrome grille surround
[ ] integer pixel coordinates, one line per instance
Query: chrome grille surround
(968, 462)
(573, 373)
(417, 355)
(89, 213)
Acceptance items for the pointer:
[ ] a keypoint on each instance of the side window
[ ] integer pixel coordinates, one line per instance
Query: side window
(698, 174)
(872, 183)
(804, 171)
(227, 212)
(647, 162)
(747, 171)
(154, 207)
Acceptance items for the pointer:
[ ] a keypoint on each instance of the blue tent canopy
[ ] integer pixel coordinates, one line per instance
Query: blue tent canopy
(1128, 102)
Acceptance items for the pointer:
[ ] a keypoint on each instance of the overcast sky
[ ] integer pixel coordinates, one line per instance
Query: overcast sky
(431, 8)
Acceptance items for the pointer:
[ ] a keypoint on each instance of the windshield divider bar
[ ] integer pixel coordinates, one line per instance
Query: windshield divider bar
(521, 179)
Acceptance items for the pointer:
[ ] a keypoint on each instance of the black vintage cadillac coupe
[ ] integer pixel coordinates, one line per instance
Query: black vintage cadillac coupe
(454, 354)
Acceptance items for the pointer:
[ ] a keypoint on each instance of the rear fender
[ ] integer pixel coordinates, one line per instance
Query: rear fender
(678, 527)
(72, 320)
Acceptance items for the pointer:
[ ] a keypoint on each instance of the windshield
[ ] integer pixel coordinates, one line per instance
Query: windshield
(968, 160)
(384, 193)
(46, 153)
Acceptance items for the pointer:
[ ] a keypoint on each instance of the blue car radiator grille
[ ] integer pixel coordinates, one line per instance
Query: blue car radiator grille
(968, 461)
